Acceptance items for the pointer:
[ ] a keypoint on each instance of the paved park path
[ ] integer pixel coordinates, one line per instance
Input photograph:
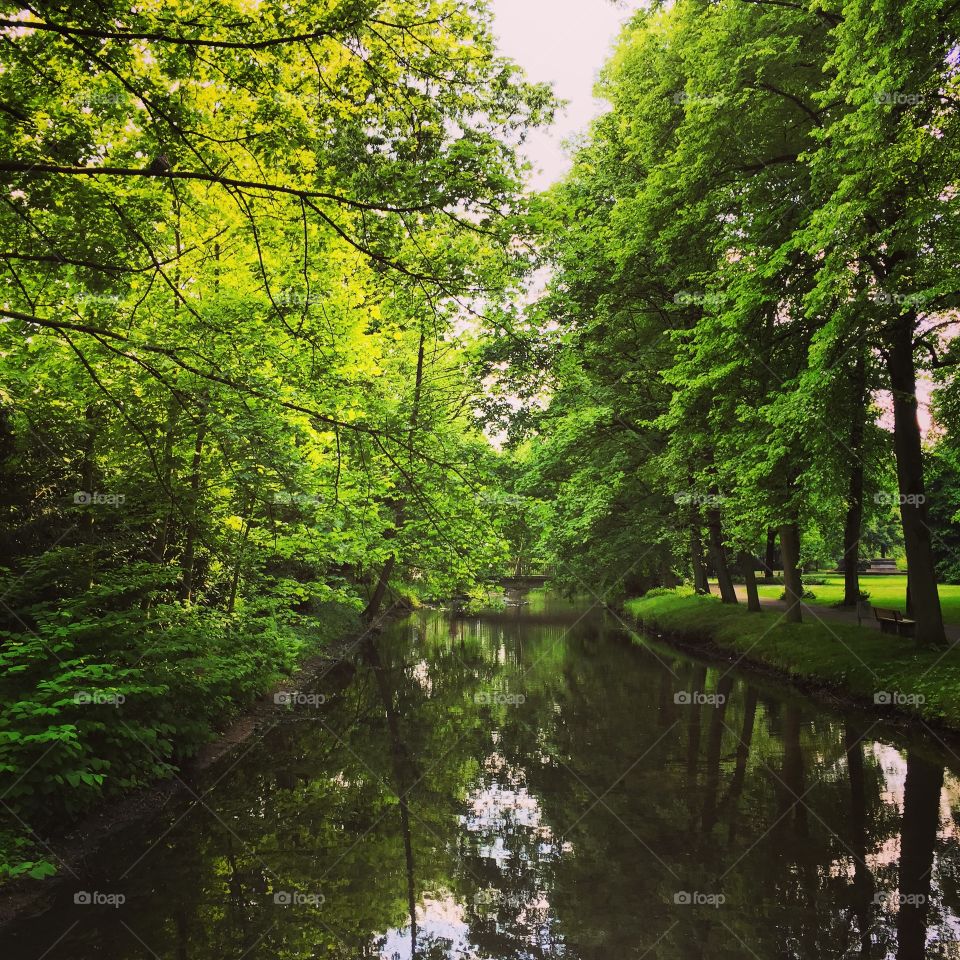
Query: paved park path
(814, 612)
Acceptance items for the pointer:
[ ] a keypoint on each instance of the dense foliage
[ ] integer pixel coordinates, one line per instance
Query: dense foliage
(754, 291)
(239, 244)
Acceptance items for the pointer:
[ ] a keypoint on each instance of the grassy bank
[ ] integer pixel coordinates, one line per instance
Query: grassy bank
(886, 590)
(865, 664)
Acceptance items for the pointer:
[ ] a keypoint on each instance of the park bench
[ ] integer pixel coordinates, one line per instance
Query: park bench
(891, 621)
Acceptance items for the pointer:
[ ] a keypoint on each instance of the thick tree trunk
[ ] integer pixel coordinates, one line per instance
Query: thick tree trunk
(718, 557)
(770, 556)
(750, 579)
(854, 520)
(925, 599)
(790, 548)
(701, 583)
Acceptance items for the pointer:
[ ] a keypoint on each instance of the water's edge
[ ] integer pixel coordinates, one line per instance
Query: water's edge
(81, 840)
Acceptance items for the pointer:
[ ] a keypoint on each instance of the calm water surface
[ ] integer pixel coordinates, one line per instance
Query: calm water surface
(526, 785)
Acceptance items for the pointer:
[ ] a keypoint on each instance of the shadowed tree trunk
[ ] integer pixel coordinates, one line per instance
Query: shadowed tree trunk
(699, 679)
(790, 548)
(854, 519)
(750, 579)
(907, 441)
(770, 556)
(718, 556)
(188, 564)
(701, 583)
(383, 580)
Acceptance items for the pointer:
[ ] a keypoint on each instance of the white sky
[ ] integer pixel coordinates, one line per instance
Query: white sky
(564, 42)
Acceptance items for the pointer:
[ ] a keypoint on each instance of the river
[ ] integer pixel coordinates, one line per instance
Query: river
(531, 784)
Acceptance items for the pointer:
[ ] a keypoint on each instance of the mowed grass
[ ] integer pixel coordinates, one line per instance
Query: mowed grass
(855, 660)
(886, 590)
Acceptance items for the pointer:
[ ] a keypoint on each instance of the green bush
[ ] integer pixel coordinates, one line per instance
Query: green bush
(103, 694)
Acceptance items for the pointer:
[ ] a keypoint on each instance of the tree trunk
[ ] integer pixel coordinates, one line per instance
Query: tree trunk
(238, 561)
(907, 442)
(189, 551)
(790, 548)
(373, 607)
(701, 583)
(854, 521)
(719, 558)
(670, 580)
(159, 548)
(750, 579)
(770, 556)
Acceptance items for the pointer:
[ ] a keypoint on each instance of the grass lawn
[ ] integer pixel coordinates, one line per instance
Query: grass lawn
(855, 660)
(886, 590)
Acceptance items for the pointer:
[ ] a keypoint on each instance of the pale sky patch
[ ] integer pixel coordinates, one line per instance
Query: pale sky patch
(563, 42)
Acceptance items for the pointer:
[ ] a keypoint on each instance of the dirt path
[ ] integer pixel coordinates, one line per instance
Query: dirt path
(817, 612)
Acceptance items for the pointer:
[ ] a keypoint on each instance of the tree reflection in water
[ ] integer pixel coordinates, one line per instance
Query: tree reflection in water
(531, 785)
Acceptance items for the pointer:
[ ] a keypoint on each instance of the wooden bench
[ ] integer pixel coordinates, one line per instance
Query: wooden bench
(891, 621)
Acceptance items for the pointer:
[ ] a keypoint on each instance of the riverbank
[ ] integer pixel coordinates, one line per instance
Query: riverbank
(874, 669)
(333, 644)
